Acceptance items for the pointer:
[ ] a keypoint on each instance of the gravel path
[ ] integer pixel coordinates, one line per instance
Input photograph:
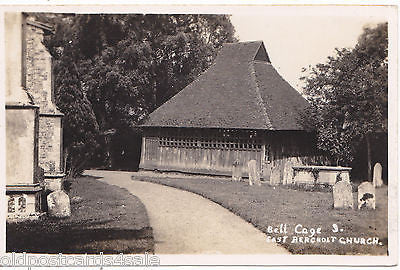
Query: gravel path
(186, 223)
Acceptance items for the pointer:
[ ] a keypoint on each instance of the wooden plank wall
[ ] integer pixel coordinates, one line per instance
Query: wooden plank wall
(195, 159)
(277, 149)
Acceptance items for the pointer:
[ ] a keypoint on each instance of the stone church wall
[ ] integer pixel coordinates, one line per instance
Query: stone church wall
(49, 141)
(20, 122)
(38, 82)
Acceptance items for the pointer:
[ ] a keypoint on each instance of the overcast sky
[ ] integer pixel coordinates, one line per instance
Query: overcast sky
(303, 36)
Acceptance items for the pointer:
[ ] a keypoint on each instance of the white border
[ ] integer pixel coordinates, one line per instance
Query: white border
(2, 144)
(219, 6)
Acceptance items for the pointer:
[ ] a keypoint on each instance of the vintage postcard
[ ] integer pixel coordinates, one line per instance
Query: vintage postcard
(199, 135)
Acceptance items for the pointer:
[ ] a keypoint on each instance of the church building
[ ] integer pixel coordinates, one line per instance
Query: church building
(33, 123)
(238, 110)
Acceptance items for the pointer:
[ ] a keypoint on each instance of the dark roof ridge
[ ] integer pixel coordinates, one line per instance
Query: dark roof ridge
(261, 61)
(243, 42)
(247, 50)
(261, 102)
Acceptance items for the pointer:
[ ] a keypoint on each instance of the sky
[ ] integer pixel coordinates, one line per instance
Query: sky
(297, 38)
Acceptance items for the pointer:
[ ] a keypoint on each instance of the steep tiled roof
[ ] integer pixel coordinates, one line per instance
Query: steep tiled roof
(240, 90)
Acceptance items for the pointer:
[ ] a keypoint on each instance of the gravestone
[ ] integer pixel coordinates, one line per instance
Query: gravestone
(366, 196)
(342, 195)
(377, 180)
(267, 170)
(275, 178)
(254, 174)
(287, 173)
(236, 171)
(345, 176)
(58, 204)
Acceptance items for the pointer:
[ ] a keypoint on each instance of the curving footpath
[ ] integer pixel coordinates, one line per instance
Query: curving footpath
(186, 223)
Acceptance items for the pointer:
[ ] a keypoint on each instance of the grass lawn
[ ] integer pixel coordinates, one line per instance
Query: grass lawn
(104, 219)
(271, 206)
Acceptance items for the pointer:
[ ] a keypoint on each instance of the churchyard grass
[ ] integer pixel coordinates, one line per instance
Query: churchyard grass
(104, 218)
(271, 206)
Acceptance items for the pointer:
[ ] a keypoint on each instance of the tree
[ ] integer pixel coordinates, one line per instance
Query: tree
(126, 66)
(80, 128)
(348, 96)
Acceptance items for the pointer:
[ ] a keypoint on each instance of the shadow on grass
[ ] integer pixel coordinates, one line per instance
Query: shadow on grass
(73, 239)
(104, 218)
(271, 206)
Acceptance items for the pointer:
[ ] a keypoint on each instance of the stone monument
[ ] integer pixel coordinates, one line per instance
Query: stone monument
(236, 171)
(275, 178)
(377, 180)
(342, 195)
(366, 196)
(287, 173)
(254, 174)
(58, 204)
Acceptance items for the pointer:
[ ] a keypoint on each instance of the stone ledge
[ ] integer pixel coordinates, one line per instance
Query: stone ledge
(57, 113)
(41, 25)
(321, 168)
(54, 175)
(24, 188)
(20, 105)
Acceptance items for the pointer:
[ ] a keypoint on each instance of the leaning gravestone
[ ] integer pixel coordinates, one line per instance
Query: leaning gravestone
(342, 195)
(366, 196)
(254, 174)
(236, 171)
(377, 180)
(58, 204)
(275, 178)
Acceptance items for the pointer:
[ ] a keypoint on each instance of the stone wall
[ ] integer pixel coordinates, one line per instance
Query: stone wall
(38, 82)
(22, 204)
(23, 176)
(49, 144)
(38, 69)
(21, 128)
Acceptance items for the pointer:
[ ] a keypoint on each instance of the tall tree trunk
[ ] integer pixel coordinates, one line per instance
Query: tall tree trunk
(369, 166)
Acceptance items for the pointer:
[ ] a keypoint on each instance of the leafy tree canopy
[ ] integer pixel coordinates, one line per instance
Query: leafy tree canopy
(113, 70)
(348, 95)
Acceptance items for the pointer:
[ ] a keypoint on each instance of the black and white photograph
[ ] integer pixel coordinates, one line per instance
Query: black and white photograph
(249, 135)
